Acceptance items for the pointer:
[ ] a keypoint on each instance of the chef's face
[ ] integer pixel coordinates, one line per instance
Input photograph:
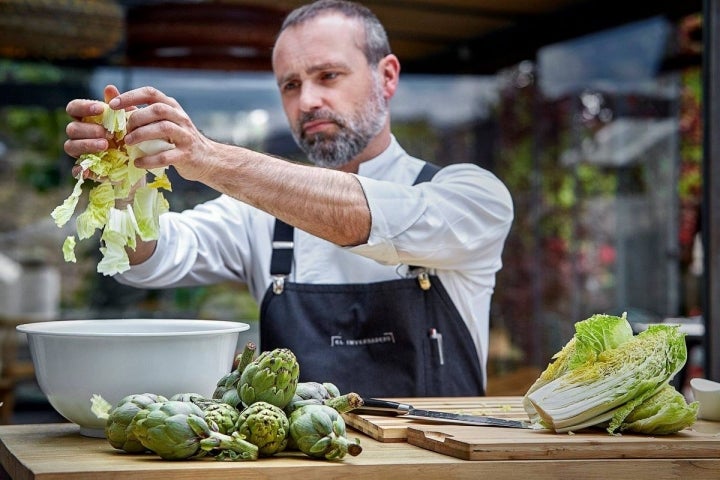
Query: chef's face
(335, 102)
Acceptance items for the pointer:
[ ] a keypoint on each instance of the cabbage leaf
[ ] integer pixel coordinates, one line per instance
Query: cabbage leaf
(665, 412)
(114, 177)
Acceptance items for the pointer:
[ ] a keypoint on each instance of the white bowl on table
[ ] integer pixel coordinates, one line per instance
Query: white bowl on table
(75, 359)
(707, 394)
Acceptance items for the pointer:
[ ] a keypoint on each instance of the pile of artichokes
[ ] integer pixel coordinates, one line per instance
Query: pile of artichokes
(258, 409)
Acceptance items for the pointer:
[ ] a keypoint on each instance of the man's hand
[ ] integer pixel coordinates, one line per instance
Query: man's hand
(87, 137)
(163, 118)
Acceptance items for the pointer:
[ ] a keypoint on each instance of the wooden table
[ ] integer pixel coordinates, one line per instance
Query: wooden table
(59, 452)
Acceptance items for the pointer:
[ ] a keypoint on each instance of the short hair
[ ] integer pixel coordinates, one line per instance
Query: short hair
(376, 45)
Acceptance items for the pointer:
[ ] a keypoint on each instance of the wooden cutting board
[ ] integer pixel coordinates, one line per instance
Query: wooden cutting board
(493, 443)
(394, 429)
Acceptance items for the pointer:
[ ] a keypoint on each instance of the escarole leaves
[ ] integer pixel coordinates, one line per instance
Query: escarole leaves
(605, 376)
(114, 177)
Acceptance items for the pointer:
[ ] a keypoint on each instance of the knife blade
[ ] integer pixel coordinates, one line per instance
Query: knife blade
(376, 406)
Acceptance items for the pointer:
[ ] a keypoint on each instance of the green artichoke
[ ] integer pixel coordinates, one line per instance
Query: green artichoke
(120, 417)
(226, 390)
(332, 390)
(342, 403)
(163, 428)
(319, 431)
(266, 426)
(308, 390)
(177, 430)
(271, 378)
(223, 447)
(222, 417)
(187, 397)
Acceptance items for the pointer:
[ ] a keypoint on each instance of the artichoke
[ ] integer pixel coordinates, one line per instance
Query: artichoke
(222, 417)
(266, 426)
(332, 390)
(219, 415)
(177, 430)
(271, 378)
(226, 390)
(319, 431)
(187, 397)
(343, 403)
(120, 417)
(320, 391)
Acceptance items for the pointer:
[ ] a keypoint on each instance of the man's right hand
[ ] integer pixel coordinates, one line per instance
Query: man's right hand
(87, 137)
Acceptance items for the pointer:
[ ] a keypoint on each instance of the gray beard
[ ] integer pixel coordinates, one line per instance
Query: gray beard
(354, 133)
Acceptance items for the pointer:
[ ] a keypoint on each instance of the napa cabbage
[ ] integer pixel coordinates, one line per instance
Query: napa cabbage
(605, 376)
(114, 177)
(592, 337)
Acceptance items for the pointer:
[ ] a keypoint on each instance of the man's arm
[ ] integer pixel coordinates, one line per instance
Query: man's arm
(329, 204)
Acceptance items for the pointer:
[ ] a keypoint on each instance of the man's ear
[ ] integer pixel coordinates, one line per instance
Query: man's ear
(389, 68)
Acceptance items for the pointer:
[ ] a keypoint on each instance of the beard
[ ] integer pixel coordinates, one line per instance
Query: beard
(354, 131)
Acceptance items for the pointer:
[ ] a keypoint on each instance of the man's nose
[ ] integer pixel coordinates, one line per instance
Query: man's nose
(310, 97)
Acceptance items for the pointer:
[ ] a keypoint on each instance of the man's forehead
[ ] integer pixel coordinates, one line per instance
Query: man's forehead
(322, 40)
(328, 27)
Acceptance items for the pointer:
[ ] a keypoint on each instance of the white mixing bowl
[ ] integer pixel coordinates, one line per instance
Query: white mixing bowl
(75, 359)
(707, 393)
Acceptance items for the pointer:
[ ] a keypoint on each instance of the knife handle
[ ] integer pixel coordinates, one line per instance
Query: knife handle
(378, 405)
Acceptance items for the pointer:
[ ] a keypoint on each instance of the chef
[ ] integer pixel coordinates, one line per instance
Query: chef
(375, 268)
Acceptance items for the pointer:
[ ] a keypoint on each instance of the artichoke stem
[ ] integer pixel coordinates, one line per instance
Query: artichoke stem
(347, 446)
(232, 447)
(354, 449)
(345, 403)
(247, 356)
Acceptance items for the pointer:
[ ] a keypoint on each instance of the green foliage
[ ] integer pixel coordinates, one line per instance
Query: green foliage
(39, 135)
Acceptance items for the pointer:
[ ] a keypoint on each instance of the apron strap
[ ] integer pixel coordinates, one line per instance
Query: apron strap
(282, 254)
(427, 173)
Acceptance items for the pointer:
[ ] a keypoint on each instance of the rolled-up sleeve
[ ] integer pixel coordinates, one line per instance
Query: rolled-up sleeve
(458, 221)
(210, 243)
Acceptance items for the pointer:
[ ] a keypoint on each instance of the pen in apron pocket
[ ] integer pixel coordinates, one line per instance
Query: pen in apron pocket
(437, 336)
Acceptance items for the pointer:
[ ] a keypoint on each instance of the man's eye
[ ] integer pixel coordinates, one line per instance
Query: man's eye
(289, 86)
(330, 75)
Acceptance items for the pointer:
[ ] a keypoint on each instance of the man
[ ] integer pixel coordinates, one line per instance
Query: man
(378, 285)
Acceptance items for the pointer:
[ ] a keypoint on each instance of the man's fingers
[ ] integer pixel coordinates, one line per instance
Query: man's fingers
(110, 92)
(84, 108)
(75, 148)
(141, 96)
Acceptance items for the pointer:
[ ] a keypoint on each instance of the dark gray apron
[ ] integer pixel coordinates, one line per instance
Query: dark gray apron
(396, 338)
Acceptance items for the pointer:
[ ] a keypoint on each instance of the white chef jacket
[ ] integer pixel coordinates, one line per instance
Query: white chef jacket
(455, 225)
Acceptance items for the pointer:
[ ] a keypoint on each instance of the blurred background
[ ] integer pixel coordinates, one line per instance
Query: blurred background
(590, 112)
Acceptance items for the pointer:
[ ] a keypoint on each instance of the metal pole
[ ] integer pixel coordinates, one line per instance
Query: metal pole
(711, 187)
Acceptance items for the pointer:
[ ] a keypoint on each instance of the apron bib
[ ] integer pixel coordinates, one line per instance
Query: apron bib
(384, 339)
(396, 338)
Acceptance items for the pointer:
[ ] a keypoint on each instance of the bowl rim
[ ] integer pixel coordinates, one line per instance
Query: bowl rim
(704, 385)
(69, 328)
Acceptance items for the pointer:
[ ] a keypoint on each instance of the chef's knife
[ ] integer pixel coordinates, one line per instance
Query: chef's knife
(376, 406)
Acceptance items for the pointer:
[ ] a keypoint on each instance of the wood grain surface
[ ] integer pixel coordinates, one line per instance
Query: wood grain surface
(493, 443)
(59, 452)
(394, 429)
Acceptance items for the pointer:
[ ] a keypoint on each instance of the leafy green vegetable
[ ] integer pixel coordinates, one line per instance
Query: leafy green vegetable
(663, 413)
(115, 177)
(606, 373)
(592, 337)
(68, 249)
